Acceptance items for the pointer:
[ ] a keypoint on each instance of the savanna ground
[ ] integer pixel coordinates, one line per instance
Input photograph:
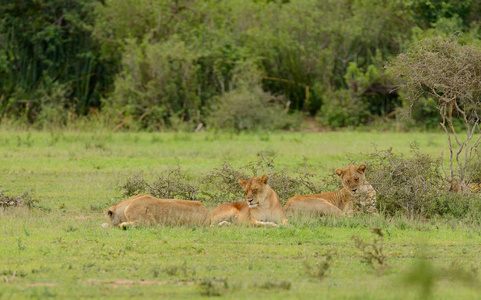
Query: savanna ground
(60, 250)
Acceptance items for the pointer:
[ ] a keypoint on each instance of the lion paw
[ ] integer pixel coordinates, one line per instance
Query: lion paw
(124, 225)
(224, 223)
(272, 224)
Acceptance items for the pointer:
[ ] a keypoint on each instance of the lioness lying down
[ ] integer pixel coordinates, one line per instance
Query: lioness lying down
(262, 206)
(335, 203)
(149, 210)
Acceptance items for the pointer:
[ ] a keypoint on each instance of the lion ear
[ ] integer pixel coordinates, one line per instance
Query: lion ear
(265, 178)
(242, 182)
(361, 168)
(338, 172)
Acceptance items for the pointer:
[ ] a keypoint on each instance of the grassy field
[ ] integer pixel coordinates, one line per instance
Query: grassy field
(62, 251)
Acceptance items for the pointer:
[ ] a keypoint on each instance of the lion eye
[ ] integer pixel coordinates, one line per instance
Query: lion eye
(348, 181)
(254, 190)
(357, 179)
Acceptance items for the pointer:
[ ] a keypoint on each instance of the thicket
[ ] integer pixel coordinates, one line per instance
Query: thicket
(236, 64)
(410, 185)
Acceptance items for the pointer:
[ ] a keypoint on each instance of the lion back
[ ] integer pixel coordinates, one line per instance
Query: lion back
(166, 212)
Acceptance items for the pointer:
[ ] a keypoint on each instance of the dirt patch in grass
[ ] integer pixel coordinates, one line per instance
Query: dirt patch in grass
(119, 282)
(42, 284)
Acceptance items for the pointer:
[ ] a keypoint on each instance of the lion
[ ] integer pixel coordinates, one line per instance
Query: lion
(261, 208)
(148, 210)
(339, 202)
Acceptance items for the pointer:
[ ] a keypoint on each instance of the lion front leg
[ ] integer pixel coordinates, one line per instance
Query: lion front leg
(125, 225)
(223, 215)
(261, 223)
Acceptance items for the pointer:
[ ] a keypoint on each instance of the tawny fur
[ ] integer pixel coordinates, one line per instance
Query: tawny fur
(338, 202)
(262, 206)
(149, 210)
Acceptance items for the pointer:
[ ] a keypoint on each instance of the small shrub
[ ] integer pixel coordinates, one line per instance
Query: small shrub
(372, 253)
(474, 168)
(320, 269)
(213, 287)
(284, 285)
(25, 199)
(20, 244)
(134, 186)
(183, 271)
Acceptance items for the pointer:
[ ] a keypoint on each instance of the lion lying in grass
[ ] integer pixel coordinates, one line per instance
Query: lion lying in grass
(336, 203)
(148, 210)
(261, 208)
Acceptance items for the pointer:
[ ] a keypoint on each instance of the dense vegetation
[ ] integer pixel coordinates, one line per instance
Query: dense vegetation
(176, 64)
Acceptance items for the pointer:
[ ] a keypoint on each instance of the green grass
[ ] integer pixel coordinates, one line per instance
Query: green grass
(51, 252)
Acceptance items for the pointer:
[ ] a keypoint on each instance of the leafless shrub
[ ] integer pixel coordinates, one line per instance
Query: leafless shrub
(25, 199)
(222, 183)
(224, 180)
(170, 184)
(372, 253)
(320, 269)
(134, 185)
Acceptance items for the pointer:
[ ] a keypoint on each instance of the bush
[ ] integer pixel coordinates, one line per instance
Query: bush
(222, 182)
(157, 84)
(410, 184)
(172, 183)
(343, 110)
(253, 109)
(25, 199)
(247, 107)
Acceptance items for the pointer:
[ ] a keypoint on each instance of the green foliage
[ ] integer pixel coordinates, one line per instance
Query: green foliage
(157, 82)
(174, 64)
(48, 58)
(423, 274)
(250, 109)
(343, 110)
(428, 12)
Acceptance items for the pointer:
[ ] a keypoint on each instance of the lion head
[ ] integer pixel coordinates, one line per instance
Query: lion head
(255, 189)
(112, 216)
(352, 177)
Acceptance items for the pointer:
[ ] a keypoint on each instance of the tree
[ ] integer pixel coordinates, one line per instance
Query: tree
(450, 73)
